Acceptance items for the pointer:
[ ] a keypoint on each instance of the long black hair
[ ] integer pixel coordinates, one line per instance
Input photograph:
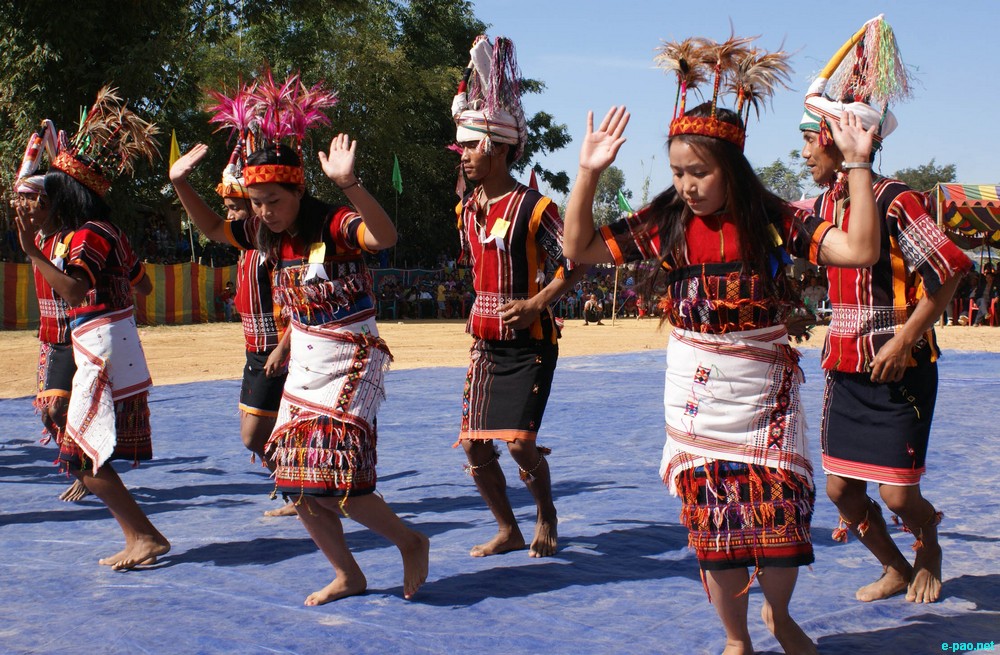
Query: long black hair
(71, 203)
(312, 212)
(752, 207)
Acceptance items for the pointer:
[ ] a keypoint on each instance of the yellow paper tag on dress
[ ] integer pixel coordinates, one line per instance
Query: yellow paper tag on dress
(500, 228)
(61, 250)
(317, 253)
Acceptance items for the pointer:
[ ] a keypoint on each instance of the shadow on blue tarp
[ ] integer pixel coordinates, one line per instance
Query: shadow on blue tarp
(623, 580)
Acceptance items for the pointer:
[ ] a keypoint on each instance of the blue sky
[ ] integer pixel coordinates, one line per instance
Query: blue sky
(592, 55)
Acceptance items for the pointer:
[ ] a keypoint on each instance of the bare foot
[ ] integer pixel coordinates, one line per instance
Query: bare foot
(338, 589)
(734, 647)
(415, 561)
(891, 582)
(114, 559)
(926, 585)
(502, 543)
(793, 640)
(288, 509)
(75, 492)
(546, 538)
(142, 553)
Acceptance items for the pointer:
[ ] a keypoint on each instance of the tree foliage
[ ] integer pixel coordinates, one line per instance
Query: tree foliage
(545, 136)
(394, 64)
(611, 182)
(785, 180)
(923, 178)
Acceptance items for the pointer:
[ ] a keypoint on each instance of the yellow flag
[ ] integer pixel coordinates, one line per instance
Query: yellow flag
(175, 150)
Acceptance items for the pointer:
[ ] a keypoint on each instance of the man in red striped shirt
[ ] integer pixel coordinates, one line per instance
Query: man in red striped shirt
(509, 233)
(880, 355)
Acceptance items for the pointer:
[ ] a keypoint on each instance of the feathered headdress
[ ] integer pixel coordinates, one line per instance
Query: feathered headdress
(750, 74)
(107, 143)
(487, 107)
(270, 113)
(867, 69)
(239, 114)
(44, 142)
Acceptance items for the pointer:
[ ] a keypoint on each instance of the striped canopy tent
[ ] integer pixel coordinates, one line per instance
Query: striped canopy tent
(969, 213)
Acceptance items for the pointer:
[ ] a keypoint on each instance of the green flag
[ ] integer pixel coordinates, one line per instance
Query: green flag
(397, 177)
(623, 203)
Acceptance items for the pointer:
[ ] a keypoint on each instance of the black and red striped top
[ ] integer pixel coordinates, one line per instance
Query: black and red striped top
(53, 311)
(870, 305)
(511, 265)
(102, 250)
(263, 325)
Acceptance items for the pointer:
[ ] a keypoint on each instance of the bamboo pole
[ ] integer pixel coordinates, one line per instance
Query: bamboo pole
(614, 298)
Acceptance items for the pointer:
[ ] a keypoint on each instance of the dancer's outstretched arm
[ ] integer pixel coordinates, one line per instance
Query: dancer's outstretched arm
(338, 165)
(580, 240)
(208, 221)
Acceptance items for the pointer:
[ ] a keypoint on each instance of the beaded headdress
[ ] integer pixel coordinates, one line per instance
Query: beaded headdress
(267, 114)
(734, 67)
(866, 69)
(110, 138)
(487, 107)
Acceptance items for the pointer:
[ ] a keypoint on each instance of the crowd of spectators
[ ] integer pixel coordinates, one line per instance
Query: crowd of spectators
(975, 302)
(440, 294)
(158, 244)
(447, 292)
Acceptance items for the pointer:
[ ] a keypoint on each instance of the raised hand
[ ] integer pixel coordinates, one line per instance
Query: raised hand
(854, 141)
(26, 231)
(188, 162)
(600, 147)
(338, 164)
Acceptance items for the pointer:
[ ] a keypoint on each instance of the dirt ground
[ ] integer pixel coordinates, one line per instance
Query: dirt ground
(214, 351)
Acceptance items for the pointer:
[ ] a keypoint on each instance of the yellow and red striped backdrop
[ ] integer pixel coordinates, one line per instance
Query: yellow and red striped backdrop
(182, 293)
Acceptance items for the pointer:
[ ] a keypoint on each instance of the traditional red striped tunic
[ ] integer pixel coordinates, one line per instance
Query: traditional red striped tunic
(263, 325)
(871, 304)
(102, 250)
(532, 238)
(53, 311)
(325, 439)
(707, 291)
(736, 450)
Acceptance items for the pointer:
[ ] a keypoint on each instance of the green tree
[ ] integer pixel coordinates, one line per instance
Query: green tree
(646, 180)
(611, 182)
(785, 180)
(395, 65)
(923, 178)
(55, 58)
(544, 136)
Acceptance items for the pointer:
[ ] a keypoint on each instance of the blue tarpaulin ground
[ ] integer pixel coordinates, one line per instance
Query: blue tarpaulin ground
(623, 580)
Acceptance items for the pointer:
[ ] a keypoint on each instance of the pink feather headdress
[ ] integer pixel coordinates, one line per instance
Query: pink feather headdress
(267, 113)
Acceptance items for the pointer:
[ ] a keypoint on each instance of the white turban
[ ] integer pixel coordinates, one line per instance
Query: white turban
(819, 107)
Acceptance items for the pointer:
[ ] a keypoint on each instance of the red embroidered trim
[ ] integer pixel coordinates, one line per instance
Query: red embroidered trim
(712, 127)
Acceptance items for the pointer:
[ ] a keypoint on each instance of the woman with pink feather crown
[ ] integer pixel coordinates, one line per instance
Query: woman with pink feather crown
(324, 444)
(263, 325)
